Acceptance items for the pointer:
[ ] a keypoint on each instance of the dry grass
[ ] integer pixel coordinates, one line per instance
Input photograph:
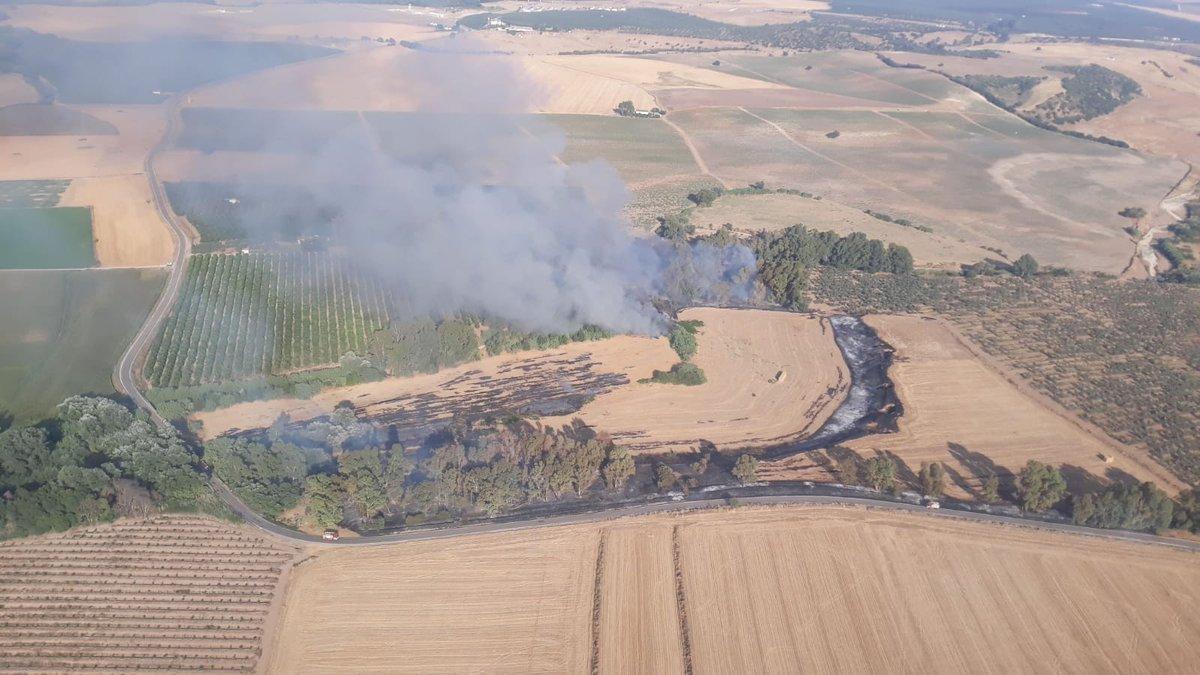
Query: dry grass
(753, 213)
(170, 593)
(740, 352)
(765, 590)
(128, 229)
(52, 157)
(509, 603)
(960, 411)
(563, 88)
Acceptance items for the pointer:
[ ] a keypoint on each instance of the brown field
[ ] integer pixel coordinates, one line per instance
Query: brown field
(326, 22)
(14, 89)
(763, 590)
(511, 603)
(170, 593)
(739, 350)
(51, 157)
(960, 411)
(1162, 121)
(567, 42)
(754, 213)
(128, 229)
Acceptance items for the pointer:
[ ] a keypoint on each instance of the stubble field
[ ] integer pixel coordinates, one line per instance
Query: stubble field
(788, 589)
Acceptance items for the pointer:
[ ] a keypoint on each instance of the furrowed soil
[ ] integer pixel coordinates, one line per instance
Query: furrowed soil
(757, 590)
(960, 411)
(741, 351)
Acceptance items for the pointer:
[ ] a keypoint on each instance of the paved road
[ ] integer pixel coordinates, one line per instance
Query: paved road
(125, 373)
(791, 494)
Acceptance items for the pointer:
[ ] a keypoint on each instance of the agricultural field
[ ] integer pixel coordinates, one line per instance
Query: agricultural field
(15, 90)
(775, 211)
(31, 193)
(248, 314)
(126, 226)
(741, 352)
(165, 593)
(1121, 356)
(46, 238)
(969, 177)
(962, 412)
(248, 211)
(60, 157)
(1155, 121)
(64, 331)
(747, 590)
(49, 120)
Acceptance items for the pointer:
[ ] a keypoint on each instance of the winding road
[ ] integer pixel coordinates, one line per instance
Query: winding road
(125, 374)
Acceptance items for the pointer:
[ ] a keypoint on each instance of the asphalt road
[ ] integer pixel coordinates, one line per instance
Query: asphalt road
(125, 373)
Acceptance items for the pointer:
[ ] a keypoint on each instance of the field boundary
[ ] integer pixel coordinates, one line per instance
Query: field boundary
(685, 636)
(598, 587)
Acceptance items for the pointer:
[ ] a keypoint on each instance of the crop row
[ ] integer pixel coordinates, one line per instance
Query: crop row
(246, 314)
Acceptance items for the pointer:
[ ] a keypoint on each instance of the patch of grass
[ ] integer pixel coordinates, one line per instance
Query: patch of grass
(62, 333)
(35, 238)
(682, 373)
(36, 119)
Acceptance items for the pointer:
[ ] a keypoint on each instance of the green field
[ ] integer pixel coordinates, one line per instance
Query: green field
(31, 193)
(639, 149)
(62, 333)
(250, 314)
(36, 238)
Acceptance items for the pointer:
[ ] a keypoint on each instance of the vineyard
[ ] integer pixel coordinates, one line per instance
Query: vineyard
(168, 593)
(261, 313)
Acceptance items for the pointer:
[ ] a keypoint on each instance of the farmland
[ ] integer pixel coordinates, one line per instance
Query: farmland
(167, 593)
(248, 314)
(46, 238)
(1122, 356)
(31, 193)
(762, 590)
(42, 120)
(63, 332)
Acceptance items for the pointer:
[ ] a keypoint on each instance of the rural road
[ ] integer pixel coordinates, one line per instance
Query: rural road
(125, 373)
(777, 494)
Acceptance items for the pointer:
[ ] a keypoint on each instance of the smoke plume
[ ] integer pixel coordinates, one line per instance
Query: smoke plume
(464, 205)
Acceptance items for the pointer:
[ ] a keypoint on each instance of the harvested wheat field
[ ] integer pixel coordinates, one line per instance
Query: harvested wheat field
(73, 156)
(960, 411)
(741, 351)
(818, 589)
(772, 377)
(166, 593)
(753, 213)
(128, 229)
(506, 603)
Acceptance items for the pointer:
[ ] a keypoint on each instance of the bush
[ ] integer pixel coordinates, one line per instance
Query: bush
(1126, 507)
(687, 374)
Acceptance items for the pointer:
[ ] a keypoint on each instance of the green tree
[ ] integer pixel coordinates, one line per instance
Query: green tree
(626, 109)
(991, 488)
(1130, 507)
(25, 457)
(323, 499)
(683, 341)
(746, 469)
(618, 467)
(1040, 486)
(933, 479)
(1025, 266)
(881, 472)
(676, 227)
(665, 477)
(1132, 212)
(362, 478)
(269, 480)
(700, 466)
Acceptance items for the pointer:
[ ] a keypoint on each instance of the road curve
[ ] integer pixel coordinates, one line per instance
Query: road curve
(125, 372)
